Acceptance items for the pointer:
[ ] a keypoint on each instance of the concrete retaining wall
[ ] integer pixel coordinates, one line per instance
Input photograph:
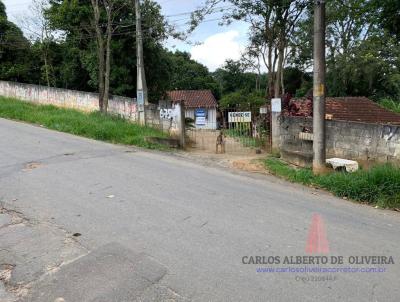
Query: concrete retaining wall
(351, 140)
(85, 101)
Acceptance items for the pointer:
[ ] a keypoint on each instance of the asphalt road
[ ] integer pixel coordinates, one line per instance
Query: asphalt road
(192, 222)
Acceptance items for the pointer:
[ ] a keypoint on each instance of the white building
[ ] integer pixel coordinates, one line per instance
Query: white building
(200, 105)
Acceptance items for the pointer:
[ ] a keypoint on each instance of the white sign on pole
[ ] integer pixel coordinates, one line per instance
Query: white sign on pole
(276, 105)
(239, 117)
(140, 99)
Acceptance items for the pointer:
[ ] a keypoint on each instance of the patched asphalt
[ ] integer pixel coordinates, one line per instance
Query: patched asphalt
(173, 229)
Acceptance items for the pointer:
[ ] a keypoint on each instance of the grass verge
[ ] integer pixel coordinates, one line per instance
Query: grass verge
(92, 125)
(378, 186)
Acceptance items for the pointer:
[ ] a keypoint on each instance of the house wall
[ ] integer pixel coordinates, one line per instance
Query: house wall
(211, 121)
(351, 140)
(84, 101)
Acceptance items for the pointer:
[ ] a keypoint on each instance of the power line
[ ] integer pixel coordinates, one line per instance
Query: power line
(214, 10)
(171, 24)
(83, 36)
(148, 26)
(218, 9)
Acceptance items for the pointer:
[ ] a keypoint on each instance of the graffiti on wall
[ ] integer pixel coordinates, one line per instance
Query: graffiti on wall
(168, 114)
(390, 133)
(170, 117)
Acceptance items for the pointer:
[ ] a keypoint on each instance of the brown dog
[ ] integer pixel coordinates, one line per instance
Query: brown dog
(220, 142)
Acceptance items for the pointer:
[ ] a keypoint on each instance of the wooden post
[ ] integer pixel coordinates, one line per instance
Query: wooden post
(181, 123)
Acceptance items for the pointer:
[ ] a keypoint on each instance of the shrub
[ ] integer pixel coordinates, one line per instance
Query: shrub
(379, 185)
(390, 104)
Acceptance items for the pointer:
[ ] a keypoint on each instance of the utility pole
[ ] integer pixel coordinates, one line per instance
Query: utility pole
(141, 86)
(319, 88)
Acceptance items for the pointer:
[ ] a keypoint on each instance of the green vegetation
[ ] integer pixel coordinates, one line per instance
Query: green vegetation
(362, 42)
(187, 74)
(242, 100)
(362, 39)
(92, 125)
(243, 135)
(379, 186)
(390, 104)
(279, 168)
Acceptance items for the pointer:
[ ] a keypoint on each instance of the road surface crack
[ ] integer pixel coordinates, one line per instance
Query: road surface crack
(16, 216)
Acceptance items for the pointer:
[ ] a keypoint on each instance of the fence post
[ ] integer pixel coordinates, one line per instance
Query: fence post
(276, 108)
(181, 123)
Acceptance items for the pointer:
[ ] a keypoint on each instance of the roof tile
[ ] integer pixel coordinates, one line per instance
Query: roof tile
(358, 109)
(194, 98)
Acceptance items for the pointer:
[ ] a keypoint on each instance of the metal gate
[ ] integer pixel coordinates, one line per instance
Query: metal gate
(243, 132)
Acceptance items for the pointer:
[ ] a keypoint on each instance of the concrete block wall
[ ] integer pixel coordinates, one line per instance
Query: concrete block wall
(154, 120)
(363, 142)
(352, 140)
(292, 148)
(85, 101)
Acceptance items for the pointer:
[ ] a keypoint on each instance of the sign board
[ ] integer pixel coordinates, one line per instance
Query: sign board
(200, 116)
(239, 117)
(263, 110)
(276, 105)
(200, 120)
(140, 99)
(200, 112)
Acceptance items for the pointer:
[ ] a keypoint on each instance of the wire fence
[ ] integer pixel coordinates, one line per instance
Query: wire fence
(233, 132)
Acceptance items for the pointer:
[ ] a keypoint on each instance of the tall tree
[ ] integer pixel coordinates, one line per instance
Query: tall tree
(110, 9)
(15, 53)
(186, 73)
(101, 40)
(362, 58)
(389, 15)
(38, 29)
(232, 76)
(96, 21)
(272, 23)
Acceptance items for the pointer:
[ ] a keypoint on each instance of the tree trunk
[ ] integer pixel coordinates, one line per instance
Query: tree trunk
(44, 49)
(258, 88)
(100, 52)
(270, 73)
(46, 68)
(279, 72)
(283, 80)
(108, 63)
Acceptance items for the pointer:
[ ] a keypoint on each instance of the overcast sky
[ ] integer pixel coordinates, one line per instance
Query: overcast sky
(217, 43)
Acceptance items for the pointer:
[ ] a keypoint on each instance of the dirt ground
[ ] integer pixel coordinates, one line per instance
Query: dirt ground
(250, 162)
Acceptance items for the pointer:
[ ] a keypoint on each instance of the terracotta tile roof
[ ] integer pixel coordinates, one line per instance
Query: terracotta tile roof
(357, 109)
(360, 109)
(194, 98)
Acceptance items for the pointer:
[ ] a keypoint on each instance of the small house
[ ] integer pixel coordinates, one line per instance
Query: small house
(200, 105)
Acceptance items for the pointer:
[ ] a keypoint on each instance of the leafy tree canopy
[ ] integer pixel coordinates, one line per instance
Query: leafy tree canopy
(242, 100)
(14, 50)
(186, 73)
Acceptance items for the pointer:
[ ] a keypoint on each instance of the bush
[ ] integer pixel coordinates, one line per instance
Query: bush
(242, 100)
(390, 104)
(379, 185)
